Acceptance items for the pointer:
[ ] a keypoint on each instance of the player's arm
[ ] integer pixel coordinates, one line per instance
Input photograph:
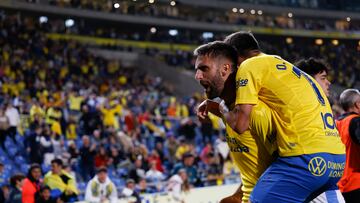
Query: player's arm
(239, 118)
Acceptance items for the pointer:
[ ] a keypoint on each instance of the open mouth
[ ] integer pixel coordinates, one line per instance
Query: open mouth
(206, 87)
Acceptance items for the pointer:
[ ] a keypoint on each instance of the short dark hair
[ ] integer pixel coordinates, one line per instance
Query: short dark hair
(101, 169)
(218, 48)
(243, 42)
(58, 162)
(312, 66)
(15, 178)
(45, 187)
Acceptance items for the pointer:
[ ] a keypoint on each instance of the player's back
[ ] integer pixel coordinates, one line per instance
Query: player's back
(302, 113)
(253, 150)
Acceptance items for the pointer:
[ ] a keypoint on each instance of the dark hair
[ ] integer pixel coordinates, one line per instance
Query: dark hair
(58, 162)
(101, 169)
(243, 42)
(33, 167)
(15, 178)
(312, 66)
(45, 187)
(216, 49)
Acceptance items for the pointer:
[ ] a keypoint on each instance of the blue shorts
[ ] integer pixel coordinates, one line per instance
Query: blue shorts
(299, 178)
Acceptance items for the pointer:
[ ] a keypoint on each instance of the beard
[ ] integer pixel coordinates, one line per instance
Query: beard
(214, 87)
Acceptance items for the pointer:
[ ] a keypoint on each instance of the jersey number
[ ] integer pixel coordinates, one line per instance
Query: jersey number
(300, 73)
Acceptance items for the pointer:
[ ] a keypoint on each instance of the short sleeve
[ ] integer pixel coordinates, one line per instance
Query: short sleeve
(249, 79)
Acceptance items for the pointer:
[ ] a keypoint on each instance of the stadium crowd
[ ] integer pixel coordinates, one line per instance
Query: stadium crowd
(209, 15)
(68, 118)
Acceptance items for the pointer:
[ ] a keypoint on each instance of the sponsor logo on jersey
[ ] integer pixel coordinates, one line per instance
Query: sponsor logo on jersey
(241, 83)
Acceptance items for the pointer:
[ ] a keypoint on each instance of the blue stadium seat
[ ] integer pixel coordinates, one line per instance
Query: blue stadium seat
(55, 193)
(81, 186)
(118, 182)
(12, 151)
(20, 160)
(24, 168)
(45, 168)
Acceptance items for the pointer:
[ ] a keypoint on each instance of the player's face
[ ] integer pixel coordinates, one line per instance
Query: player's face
(321, 78)
(208, 74)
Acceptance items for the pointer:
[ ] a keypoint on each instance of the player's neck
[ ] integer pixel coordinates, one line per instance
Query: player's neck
(229, 93)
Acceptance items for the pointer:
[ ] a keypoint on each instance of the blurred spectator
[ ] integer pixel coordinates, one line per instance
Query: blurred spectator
(177, 184)
(155, 158)
(129, 191)
(214, 170)
(58, 179)
(14, 120)
(187, 129)
(45, 196)
(4, 126)
(137, 172)
(171, 145)
(31, 184)
(100, 188)
(46, 146)
(33, 147)
(183, 148)
(142, 187)
(101, 158)
(190, 168)
(87, 155)
(89, 120)
(205, 152)
(153, 174)
(16, 182)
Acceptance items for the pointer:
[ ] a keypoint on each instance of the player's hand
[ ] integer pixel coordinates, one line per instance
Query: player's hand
(217, 107)
(202, 112)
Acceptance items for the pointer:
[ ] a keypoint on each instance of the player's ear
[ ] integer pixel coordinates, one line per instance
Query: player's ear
(225, 70)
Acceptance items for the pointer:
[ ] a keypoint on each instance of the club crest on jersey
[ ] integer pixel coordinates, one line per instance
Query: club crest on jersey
(241, 83)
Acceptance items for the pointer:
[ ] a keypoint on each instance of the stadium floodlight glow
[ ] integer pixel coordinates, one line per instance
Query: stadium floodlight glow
(253, 11)
(43, 19)
(289, 40)
(172, 3)
(290, 15)
(319, 41)
(260, 12)
(234, 10)
(241, 10)
(116, 5)
(153, 30)
(335, 42)
(69, 22)
(348, 19)
(151, 1)
(208, 35)
(173, 32)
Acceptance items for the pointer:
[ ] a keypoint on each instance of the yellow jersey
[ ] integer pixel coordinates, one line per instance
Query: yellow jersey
(253, 150)
(301, 112)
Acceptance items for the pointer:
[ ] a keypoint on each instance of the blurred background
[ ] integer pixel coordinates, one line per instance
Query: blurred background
(105, 83)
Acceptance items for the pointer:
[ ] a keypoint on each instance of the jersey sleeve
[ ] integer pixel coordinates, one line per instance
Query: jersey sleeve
(249, 79)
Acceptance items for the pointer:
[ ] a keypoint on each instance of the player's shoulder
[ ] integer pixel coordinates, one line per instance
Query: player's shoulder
(262, 59)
